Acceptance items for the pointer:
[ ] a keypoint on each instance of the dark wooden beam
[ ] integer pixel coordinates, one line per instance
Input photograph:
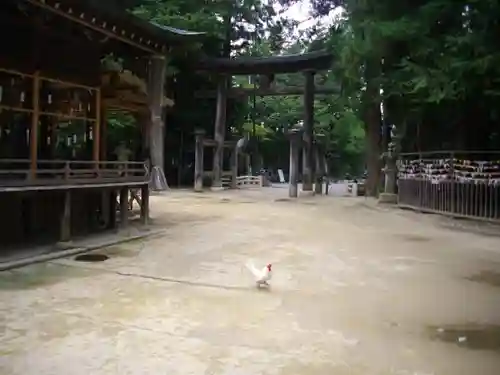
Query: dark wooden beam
(65, 223)
(96, 147)
(236, 92)
(102, 26)
(145, 204)
(124, 207)
(112, 209)
(213, 143)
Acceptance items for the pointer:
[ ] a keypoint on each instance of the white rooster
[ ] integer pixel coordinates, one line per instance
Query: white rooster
(262, 276)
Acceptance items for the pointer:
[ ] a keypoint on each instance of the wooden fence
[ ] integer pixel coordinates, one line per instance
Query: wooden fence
(249, 182)
(455, 183)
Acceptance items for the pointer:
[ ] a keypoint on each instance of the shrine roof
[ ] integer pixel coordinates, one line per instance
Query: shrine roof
(110, 17)
(113, 10)
(317, 60)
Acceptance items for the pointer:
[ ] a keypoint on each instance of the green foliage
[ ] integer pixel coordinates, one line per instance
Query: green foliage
(122, 127)
(253, 27)
(260, 131)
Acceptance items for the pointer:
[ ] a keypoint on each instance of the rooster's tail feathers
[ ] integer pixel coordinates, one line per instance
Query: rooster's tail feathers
(251, 267)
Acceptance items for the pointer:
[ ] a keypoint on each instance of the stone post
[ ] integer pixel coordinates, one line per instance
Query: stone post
(234, 167)
(199, 158)
(389, 195)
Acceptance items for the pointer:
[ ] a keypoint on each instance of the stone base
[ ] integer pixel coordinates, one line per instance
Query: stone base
(307, 193)
(388, 198)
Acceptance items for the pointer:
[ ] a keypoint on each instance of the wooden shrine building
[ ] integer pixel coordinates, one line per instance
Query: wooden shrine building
(57, 178)
(266, 68)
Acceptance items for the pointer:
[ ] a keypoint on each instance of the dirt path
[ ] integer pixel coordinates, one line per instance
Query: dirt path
(356, 290)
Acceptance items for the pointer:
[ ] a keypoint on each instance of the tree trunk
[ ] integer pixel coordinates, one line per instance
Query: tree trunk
(373, 151)
(373, 125)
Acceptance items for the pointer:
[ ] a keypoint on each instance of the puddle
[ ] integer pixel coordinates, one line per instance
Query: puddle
(470, 336)
(282, 200)
(117, 251)
(486, 277)
(91, 258)
(413, 237)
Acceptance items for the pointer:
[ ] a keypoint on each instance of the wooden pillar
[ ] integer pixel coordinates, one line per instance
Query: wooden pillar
(308, 130)
(234, 167)
(66, 217)
(219, 132)
(145, 204)
(294, 136)
(319, 170)
(156, 80)
(198, 161)
(103, 140)
(112, 209)
(124, 206)
(35, 117)
(96, 131)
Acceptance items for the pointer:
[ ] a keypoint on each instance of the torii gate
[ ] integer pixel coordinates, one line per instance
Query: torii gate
(306, 63)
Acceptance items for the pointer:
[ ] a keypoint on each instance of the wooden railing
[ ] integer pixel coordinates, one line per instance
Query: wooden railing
(17, 172)
(249, 181)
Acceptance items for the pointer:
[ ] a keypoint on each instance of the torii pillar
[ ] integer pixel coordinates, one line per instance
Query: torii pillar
(308, 166)
(199, 160)
(320, 166)
(295, 136)
(220, 132)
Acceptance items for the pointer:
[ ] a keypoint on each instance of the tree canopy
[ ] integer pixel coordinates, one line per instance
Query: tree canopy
(428, 67)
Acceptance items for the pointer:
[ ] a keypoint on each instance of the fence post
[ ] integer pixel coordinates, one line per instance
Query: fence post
(451, 173)
(67, 170)
(234, 166)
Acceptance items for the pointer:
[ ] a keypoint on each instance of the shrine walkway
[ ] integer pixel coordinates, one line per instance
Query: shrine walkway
(357, 290)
